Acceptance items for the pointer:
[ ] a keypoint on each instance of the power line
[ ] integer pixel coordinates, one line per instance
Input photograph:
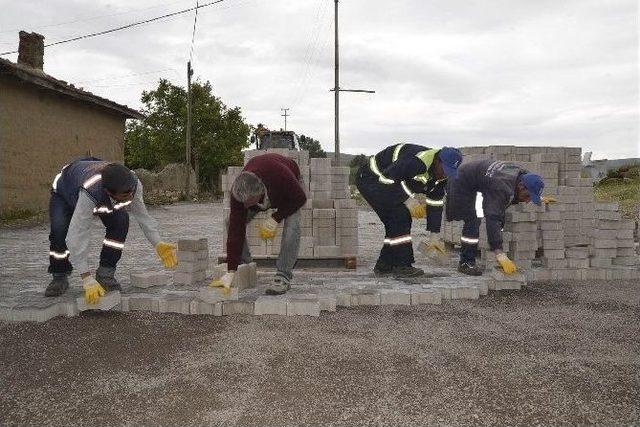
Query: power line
(124, 27)
(93, 18)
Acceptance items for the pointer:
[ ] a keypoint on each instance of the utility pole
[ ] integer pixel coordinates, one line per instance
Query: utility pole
(336, 88)
(188, 154)
(285, 115)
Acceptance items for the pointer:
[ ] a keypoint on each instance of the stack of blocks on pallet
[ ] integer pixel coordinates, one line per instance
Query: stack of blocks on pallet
(328, 221)
(193, 257)
(574, 238)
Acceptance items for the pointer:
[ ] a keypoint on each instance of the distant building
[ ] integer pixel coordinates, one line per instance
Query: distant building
(45, 123)
(598, 169)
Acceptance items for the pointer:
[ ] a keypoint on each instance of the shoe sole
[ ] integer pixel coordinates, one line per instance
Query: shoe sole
(272, 292)
(407, 276)
(479, 273)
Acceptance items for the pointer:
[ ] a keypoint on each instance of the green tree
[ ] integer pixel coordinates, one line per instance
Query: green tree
(218, 133)
(312, 146)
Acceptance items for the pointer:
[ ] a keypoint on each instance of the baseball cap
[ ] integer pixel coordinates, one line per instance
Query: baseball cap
(451, 159)
(534, 184)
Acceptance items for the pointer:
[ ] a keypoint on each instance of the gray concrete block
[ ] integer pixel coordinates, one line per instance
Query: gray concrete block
(365, 297)
(343, 299)
(578, 263)
(270, 305)
(143, 302)
(214, 295)
(395, 297)
(200, 307)
(554, 253)
(192, 245)
(465, 292)
(107, 302)
(577, 253)
(302, 307)
(327, 251)
(553, 245)
(245, 276)
(554, 263)
(601, 262)
(174, 304)
(148, 279)
(500, 276)
(243, 306)
(426, 296)
(605, 243)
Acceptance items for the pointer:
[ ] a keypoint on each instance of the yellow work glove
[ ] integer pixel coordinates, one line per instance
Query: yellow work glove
(436, 247)
(223, 282)
(167, 253)
(267, 230)
(548, 199)
(507, 265)
(92, 290)
(416, 209)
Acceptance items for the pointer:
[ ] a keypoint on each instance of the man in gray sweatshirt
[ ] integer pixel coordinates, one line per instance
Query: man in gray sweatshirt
(91, 187)
(501, 185)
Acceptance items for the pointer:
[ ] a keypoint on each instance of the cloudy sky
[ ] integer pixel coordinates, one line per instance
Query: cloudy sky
(445, 72)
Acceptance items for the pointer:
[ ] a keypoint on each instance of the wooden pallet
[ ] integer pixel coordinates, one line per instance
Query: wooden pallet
(348, 262)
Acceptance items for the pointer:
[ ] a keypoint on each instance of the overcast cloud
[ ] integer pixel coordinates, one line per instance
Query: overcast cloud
(446, 72)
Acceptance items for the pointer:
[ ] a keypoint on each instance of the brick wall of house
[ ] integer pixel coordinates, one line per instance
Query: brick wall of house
(41, 131)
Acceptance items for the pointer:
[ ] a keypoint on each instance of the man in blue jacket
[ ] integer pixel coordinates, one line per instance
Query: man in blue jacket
(83, 189)
(501, 185)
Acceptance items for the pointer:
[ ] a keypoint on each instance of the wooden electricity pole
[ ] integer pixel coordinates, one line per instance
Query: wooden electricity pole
(188, 154)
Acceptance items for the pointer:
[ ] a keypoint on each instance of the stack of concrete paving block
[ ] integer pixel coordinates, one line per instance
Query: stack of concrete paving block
(147, 279)
(193, 258)
(328, 221)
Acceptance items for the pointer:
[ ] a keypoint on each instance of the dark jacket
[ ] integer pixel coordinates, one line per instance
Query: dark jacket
(281, 177)
(496, 180)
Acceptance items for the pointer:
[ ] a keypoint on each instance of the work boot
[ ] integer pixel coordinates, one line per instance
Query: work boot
(279, 285)
(406, 271)
(381, 269)
(469, 269)
(58, 285)
(106, 277)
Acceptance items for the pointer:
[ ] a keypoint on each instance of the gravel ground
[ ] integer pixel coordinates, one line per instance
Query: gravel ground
(556, 353)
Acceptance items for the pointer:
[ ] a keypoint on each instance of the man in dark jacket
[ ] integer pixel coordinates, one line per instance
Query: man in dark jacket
(269, 181)
(91, 187)
(501, 184)
(390, 182)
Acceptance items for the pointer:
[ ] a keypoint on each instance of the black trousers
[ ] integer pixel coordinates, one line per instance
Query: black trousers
(60, 213)
(387, 200)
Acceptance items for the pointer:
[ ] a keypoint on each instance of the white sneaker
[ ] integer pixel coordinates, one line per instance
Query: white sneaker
(279, 285)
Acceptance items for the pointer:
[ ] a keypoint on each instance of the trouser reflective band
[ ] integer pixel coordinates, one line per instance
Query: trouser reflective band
(398, 240)
(59, 255)
(469, 240)
(113, 244)
(406, 189)
(432, 202)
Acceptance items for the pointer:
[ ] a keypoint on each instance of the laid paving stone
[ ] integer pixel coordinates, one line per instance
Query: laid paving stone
(365, 297)
(241, 306)
(148, 279)
(297, 306)
(214, 295)
(270, 305)
(395, 297)
(200, 307)
(426, 296)
(174, 304)
(106, 302)
(144, 302)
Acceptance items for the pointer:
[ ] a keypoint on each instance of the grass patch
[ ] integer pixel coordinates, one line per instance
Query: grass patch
(20, 217)
(622, 189)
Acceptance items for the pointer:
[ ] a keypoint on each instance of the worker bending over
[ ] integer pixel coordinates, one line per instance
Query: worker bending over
(501, 185)
(83, 189)
(269, 181)
(390, 182)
